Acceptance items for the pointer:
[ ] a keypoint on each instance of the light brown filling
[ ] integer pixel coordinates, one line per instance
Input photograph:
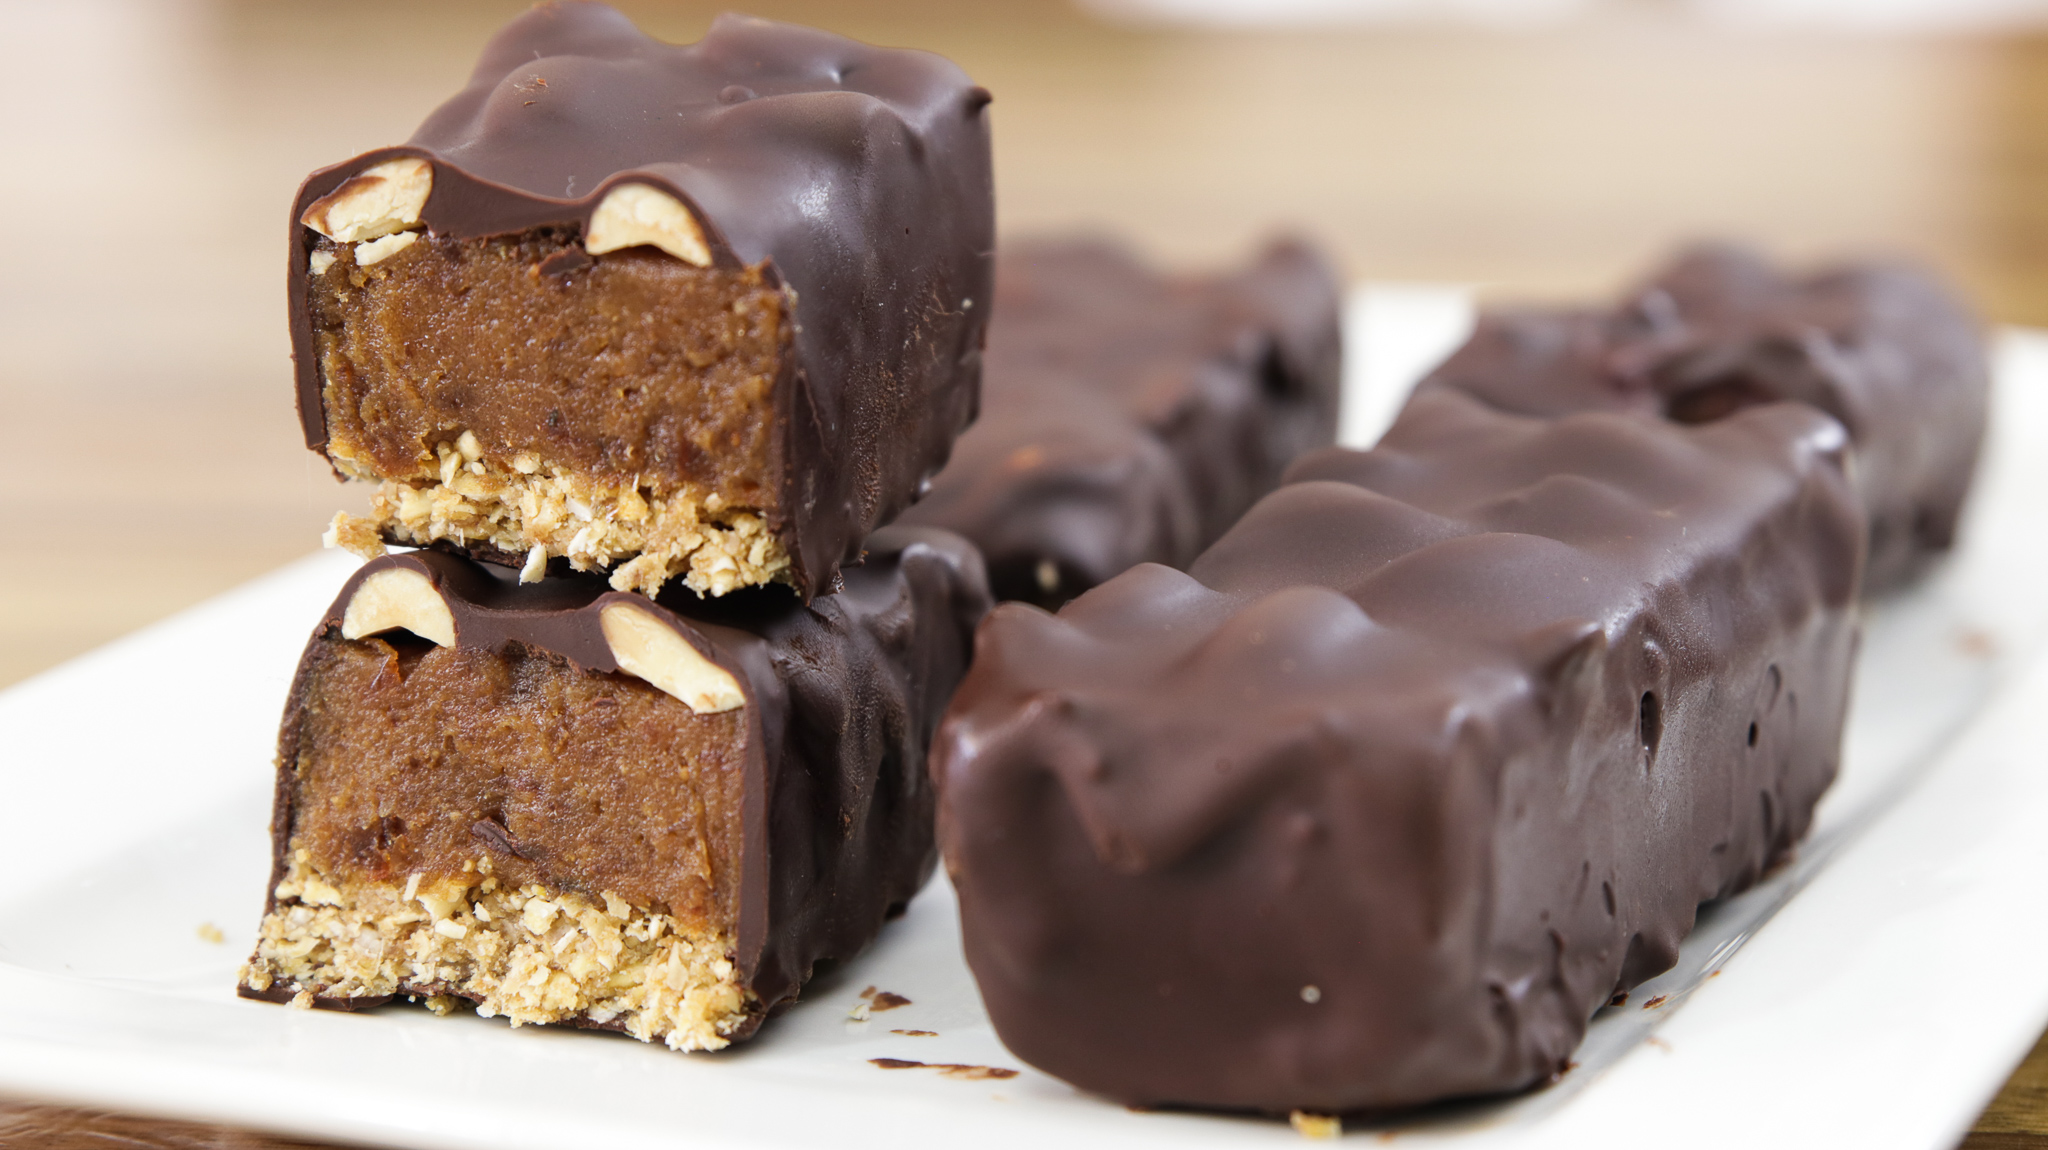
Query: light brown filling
(620, 412)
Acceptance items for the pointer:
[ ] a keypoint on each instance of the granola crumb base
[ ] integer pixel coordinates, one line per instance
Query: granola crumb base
(529, 955)
(527, 506)
(355, 534)
(1317, 1127)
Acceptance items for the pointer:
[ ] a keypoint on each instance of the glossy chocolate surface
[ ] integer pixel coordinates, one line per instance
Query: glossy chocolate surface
(1131, 417)
(1440, 746)
(841, 697)
(1884, 348)
(857, 176)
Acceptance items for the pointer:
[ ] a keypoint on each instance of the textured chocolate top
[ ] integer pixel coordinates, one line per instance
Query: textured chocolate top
(841, 697)
(1884, 348)
(1129, 417)
(859, 175)
(1434, 750)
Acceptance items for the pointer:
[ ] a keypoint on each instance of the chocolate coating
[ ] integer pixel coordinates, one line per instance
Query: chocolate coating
(858, 175)
(841, 697)
(1130, 417)
(1439, 747)
(1885, 348)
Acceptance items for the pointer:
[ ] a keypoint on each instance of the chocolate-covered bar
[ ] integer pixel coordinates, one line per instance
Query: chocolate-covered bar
(710, 311)
(1439, 747)
(1130, 417)
(1885, 348)
(574, 805)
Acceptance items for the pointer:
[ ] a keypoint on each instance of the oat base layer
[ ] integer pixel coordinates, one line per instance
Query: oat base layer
(541, 511)
(528, 955)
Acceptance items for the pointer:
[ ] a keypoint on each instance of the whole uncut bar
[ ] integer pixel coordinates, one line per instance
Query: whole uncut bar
(1130, 417)
(709, 312)
(1442, 745)
(1885, 348)
(573, 805)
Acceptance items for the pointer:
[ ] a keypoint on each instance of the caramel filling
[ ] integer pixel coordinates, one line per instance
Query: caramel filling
(553, 845)
(516, 392)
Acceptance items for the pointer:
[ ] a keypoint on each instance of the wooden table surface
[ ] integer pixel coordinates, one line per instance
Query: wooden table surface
(149, 457)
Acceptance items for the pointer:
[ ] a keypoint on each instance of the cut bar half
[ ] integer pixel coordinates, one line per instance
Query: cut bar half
(573, 805)
(707, 312)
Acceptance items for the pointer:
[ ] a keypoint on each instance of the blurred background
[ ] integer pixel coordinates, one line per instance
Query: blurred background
(149, 456)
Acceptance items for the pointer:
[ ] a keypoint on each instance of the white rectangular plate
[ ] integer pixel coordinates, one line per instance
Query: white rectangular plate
(1874, 994)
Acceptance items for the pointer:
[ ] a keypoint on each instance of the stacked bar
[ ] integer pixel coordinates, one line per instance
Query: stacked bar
(1129, 417)
(1443, 743)
(710, 312)
(704, 317)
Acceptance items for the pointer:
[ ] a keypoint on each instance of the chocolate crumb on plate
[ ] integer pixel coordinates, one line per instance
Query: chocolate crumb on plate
(949, 1069)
